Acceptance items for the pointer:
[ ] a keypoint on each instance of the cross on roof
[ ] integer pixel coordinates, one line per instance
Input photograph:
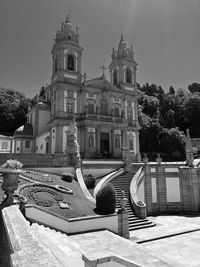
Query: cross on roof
(103, 68)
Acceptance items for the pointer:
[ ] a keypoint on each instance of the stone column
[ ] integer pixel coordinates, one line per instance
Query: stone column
(59, 139)
(86, 140)
(138, 155)
(162, 188)
(147, 186)
(98, 138)
(112, 144)
(123, 226)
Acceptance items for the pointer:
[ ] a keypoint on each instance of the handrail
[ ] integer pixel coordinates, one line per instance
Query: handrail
(106, 179)
(138, 205)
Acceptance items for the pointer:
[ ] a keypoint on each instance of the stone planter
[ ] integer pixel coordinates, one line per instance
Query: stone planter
(9, 185)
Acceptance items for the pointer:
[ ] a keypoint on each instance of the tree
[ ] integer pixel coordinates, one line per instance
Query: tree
(171, 90)
(13, 110)
(194, 88)
(192, 113)
(171, 142)
(170, 122)
(150, 105)
(149, 133)
(151, 90)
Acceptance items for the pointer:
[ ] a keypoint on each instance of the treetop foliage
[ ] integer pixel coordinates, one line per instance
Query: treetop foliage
(164, 116)
(13, 110)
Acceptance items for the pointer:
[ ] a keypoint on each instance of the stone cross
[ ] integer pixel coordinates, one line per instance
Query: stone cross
(103, 68)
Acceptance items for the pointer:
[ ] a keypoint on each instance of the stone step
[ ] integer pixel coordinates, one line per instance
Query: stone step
(122, 183)
(133, 228)
(65, 250)
(137, 220)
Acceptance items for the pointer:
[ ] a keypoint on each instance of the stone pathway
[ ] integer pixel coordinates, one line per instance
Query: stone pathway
(105, 242)
(179, 250)
(166, 226)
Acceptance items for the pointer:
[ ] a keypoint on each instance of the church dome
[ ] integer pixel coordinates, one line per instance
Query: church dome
(26, 129)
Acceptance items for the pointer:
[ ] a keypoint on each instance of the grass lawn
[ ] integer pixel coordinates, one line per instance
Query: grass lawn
(79, 204)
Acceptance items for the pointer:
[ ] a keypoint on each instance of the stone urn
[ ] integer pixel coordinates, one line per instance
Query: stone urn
(10, 172)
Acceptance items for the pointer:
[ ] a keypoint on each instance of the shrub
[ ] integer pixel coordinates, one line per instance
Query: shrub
(89, 181)
(67, 177)
(106, 199)
(12, 164)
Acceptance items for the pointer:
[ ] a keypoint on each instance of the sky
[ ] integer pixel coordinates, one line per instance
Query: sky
(165, 35)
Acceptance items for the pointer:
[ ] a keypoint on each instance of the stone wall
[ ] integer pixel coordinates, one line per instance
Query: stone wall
(171, 189)
(38, 160)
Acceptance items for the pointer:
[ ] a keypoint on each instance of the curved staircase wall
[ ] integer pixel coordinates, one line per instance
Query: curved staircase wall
(107, 179)
(138, 205)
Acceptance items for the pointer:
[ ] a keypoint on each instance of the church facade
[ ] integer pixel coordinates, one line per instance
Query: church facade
(106, 112)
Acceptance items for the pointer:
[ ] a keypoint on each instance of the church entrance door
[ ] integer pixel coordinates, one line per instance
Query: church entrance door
(104, 145)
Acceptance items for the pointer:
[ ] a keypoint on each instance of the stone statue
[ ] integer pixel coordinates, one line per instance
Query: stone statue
(188, 148)
(74, 147)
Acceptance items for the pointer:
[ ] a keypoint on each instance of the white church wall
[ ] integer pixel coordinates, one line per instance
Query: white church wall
(44, 118)
(41, 143)
(5, 144)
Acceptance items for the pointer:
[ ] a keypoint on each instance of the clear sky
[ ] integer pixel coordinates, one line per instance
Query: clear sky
(165, 35)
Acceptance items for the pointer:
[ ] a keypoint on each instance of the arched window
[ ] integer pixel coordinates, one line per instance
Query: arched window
(104, 107)
(128, 76)
(115, 81)
(70, 62)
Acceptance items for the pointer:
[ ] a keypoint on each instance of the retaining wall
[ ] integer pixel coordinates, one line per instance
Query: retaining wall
(38, 160)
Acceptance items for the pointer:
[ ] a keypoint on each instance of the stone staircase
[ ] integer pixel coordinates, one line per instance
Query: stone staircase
(122, 183)
(62, 247)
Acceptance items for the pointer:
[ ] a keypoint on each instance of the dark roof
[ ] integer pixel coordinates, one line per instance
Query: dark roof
(102, 83)
(26, 129)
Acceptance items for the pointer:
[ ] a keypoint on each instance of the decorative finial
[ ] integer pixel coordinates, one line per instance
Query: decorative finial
(68, 17)
(122, 37)
(103, 68)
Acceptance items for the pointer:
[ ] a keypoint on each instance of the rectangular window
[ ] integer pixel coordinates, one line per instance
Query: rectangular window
(90, 108)
(116, 111)
(27, 144)
(91, 138)
(129, 116)
(117, 141)
(131, 144)
(70, 107)
(4, 145)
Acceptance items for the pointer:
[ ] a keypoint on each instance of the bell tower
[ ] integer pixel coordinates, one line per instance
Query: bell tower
(66, 54)
(123, 67)
(123, 75)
